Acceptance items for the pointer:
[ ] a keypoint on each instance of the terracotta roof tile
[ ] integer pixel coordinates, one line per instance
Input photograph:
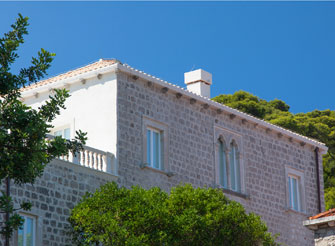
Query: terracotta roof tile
(90, 67)
(330, 212)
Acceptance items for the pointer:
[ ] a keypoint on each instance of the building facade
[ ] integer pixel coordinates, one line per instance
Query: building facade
(158, 134)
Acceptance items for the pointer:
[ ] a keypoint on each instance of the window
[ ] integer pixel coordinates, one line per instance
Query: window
(155, 145)
(64, 133)
(229, 169)
(154, 150)
(27, 234)
(295, 189)
(235, 172)
(223, 177)
(294, 193)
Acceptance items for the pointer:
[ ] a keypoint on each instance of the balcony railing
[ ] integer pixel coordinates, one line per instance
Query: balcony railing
(92, 158)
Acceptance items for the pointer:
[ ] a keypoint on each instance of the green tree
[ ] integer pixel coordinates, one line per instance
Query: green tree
(317, 124)
(186, 216)
(25, 149)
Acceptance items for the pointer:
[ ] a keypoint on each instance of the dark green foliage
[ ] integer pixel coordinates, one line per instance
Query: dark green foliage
(317, 124)
(25, 149)
(187, 216)
(280, 105)
(245, 102)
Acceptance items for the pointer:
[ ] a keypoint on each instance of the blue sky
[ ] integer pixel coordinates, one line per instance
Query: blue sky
(283, 50)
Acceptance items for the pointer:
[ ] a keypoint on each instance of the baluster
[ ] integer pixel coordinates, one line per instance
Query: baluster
(96, 166)
(70, 157)
(93, 160)
(104, 163)
(99, 162)
(90, 162)
(94, 155)
(87, 161)
(81, 158)
(75, 158)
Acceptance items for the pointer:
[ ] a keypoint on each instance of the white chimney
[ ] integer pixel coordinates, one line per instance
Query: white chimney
(199, 82)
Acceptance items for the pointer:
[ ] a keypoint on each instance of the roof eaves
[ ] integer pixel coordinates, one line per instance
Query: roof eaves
(318, 221)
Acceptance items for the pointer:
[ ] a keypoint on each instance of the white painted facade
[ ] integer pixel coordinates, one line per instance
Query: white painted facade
(90, 108)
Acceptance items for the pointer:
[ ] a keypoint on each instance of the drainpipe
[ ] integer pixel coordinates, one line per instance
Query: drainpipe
(7, 213)
(318, 177)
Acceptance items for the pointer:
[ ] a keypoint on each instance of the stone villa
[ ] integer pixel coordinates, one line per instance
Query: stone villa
(145, 131)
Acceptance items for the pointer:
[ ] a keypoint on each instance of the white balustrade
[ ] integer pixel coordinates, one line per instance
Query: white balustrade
(92, 158)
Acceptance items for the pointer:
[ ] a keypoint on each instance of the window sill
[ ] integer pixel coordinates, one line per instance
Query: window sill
(234, 193)
(290, 210)
(146, 166)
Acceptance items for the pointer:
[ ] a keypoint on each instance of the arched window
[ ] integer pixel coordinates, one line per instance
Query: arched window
(223, 177)
(234, 166)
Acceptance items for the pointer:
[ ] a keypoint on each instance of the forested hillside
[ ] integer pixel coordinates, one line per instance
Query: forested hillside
(316, 124)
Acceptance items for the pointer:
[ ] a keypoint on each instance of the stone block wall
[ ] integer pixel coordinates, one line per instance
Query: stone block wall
(325, 236)
(191, 140)
(54, 195)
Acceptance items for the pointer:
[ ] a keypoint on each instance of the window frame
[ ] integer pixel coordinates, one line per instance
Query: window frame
(34, 230)
(294, 174)
(294, 192)
(234, 166)
(156, 126)
(223, 164)
(222, 135)
(151, 162)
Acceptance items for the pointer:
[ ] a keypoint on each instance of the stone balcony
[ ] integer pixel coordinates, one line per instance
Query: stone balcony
(92, 158)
